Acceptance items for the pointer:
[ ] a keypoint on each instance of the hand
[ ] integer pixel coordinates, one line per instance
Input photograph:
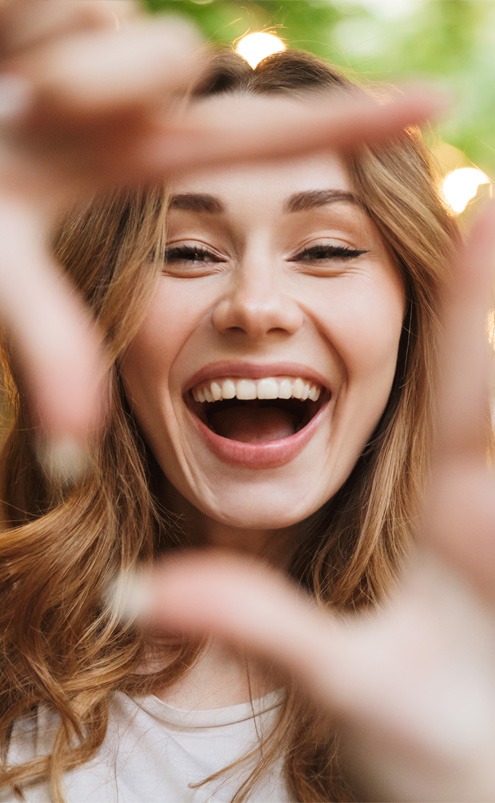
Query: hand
(79, 83)
(413, 683)
(89, 95)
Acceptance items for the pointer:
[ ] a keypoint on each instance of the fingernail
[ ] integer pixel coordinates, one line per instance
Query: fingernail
(129, 595)
(16, 96)
(65, 461)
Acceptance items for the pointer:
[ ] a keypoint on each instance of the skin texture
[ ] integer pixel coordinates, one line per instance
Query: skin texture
(255, 300)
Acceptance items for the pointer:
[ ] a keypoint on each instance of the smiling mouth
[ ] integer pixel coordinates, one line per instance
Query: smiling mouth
(257, 411)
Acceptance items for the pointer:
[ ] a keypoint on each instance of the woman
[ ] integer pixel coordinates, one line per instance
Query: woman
(278, 277)
(251, 279)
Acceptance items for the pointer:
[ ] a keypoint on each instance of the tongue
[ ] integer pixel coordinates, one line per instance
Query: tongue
(253, 424)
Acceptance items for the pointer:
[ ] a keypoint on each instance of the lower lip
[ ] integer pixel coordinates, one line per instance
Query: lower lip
(258, 455)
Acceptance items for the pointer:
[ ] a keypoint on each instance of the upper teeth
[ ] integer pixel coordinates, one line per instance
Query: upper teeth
(280, 387)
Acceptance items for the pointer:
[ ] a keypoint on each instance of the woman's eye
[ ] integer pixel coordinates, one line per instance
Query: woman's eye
(192, 254)
(322, 252)
(191, 261)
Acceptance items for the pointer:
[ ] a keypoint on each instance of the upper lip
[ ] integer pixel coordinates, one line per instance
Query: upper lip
(251, 370)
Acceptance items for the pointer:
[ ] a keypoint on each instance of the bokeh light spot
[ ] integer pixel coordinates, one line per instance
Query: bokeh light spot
(254, 47)
(461, 185)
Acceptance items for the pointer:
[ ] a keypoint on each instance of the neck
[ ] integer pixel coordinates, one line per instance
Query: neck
(220, 677)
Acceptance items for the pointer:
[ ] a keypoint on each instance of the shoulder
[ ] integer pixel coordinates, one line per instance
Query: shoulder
(32, 736)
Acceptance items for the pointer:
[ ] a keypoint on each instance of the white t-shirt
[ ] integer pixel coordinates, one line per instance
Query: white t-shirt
(153, 752)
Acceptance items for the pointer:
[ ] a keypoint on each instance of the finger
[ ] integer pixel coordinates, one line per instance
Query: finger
(102, 73)
(463, 408)
(124, 145)
(459, 521)
(56, 348)
(249, 605)
(250, 128)
(343, 663)
(29, 23)
(459, 512)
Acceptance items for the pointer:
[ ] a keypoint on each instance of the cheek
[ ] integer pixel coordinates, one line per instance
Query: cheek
(145, 367)
(365, 324)
(374, 325)
(165, 340)
(169, 322)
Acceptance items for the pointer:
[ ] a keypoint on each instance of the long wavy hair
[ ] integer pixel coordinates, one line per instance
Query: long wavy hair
(61, 644)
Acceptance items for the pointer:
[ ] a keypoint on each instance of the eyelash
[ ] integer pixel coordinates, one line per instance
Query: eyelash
(189, 253)
(317, 252)
(320, 252)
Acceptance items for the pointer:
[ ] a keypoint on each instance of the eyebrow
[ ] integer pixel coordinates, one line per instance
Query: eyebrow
(300, 201)
(314, 198)
(197, 202)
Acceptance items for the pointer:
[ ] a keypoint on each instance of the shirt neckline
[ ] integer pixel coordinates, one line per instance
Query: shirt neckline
(209, 717)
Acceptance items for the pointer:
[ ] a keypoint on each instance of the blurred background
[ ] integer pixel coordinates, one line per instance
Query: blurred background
(451, 42)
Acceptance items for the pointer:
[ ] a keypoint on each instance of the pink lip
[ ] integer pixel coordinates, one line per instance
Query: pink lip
(236, 370)
(256, 455)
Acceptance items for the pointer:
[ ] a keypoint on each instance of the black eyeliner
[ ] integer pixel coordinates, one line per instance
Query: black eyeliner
(331, 252)
(188, 252)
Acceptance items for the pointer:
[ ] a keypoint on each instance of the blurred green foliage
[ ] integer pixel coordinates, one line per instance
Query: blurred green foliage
(449, 41)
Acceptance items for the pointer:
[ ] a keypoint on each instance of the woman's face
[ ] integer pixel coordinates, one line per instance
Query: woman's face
(268, 352)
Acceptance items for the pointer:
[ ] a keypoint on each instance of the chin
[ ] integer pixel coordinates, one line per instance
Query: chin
(262, 509)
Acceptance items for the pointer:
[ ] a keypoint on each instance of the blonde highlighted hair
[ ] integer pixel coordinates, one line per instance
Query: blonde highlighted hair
(61, 645)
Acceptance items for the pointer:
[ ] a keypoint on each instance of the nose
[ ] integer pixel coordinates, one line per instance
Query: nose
(256, 304)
